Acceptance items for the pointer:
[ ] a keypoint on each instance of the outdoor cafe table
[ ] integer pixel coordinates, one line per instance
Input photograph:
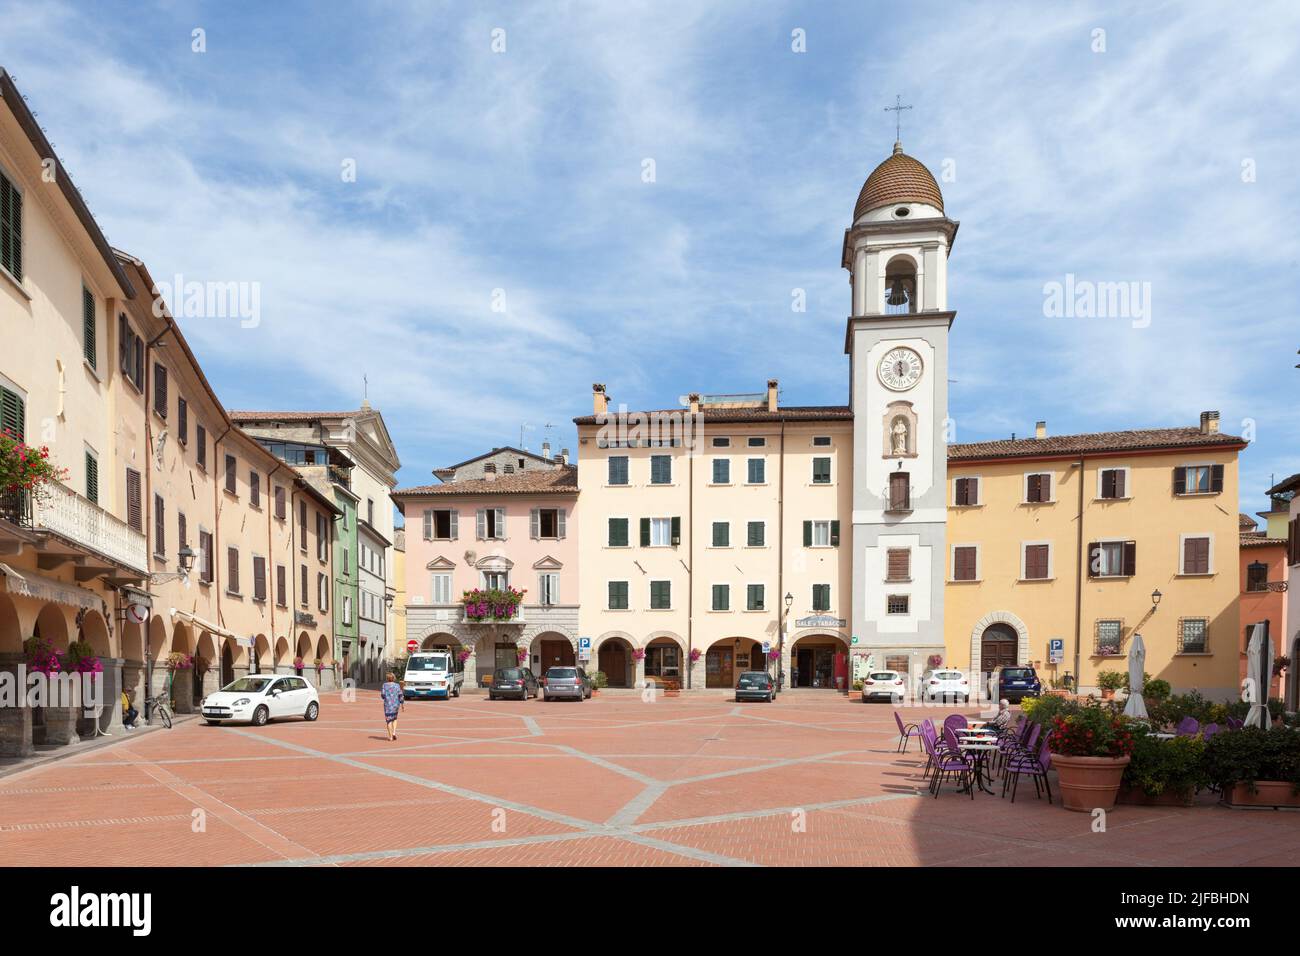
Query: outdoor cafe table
(980, 752)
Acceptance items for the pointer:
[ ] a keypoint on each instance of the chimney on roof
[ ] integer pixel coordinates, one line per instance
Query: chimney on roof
(1040, 429)
(771, 394)
(564, 456)
(599, 400)
(546, 449)
(694, 401)
(490, 471)
(1209, 423)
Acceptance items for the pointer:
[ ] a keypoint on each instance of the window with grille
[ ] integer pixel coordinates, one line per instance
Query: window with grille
(1193, 635)
(1108, 637)
(1257, 576)
(896, 604)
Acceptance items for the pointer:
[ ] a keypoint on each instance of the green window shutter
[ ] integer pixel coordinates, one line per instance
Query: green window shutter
(721, 534)
(754, 597)
(677, 531)
(618, 532)
(13, 414)
(11, 228)
(645, 532)
(721, 599)
(807, 534)
(754, 534)
(88, 326)
(835, 534)
(92, 478)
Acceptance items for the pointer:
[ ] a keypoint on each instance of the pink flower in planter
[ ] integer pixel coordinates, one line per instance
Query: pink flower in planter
(638, 654)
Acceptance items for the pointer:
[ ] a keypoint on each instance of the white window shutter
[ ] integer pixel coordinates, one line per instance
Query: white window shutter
(534, 526)
(501, 523)
(481, 516)
(559, 523)
(455, 522)
(428, 524)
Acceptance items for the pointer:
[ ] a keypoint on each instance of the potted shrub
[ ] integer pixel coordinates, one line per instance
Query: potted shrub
(1109, 682)
(1255, 768)
(492, 604)
(1164, 772)
(598, 681)
(1090, 749)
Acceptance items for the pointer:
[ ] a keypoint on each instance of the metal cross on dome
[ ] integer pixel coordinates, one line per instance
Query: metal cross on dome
(897, 110)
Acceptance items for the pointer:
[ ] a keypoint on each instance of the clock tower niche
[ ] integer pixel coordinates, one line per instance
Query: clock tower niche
(896, 253)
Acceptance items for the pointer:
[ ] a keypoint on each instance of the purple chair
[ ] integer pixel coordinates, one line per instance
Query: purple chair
(955, 721)
(905, 733)
(946, 763)
(1235, 723)
(1188, 727)
(1209, 731)
(1030, 765)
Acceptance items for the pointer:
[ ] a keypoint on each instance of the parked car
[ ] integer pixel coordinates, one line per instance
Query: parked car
(755, 685)
(257, 698)
(1018, 682)
(513, 682)
(433, 674)
(884, 685)
(566, 682)
(946, 684)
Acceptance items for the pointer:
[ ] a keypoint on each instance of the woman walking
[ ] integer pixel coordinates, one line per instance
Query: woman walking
(391, 693)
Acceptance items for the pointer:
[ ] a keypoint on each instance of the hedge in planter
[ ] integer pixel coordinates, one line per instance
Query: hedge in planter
(1166, 771)
(1238, 762)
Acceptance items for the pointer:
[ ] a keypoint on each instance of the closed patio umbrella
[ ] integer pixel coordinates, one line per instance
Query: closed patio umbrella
(1136, 706)
(1259, 671)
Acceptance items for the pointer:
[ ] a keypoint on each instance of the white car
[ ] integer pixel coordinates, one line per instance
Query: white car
(433, 674)
(884, 685)
(257, 698)
(945, 683)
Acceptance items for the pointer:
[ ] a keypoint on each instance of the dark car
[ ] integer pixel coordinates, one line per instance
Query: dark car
(1017, 682)
(513, 682)
(755, 685)
(566, 682)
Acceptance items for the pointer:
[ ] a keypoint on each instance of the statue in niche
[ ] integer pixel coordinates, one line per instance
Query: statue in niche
(898, 436)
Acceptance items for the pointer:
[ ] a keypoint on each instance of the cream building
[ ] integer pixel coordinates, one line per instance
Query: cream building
(720, 534)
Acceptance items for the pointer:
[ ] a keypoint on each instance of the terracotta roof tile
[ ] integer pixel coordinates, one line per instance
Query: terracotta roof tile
(1261, 541)
(739, 416)
(899, 179)
(1142, 439)
(1246, 522)
(1291, 483)
(291, 416)
(556, 481)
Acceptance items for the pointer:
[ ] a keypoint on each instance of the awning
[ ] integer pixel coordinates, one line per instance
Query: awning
(211, 628)
(29, 584)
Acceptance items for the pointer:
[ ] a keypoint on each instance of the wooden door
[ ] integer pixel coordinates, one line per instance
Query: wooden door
(997, 648)
(613, 663)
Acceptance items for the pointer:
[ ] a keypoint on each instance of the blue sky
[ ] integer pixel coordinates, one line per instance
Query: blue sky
(521, 171)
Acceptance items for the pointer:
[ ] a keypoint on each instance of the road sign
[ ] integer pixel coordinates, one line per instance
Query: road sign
(767, 647)
(584, 644)
(855, 638)
(1056, 650)
(412, 645)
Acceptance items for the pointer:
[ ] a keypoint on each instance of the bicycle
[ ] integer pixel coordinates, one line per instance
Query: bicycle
(160, 706)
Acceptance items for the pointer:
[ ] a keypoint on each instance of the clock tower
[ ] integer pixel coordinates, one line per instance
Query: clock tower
(896, 252)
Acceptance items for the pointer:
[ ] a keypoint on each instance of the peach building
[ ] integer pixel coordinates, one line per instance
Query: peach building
(1263, 594)
(1288, 490)
(158, 487)
(504, 519)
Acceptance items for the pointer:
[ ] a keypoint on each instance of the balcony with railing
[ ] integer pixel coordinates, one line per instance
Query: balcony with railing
(77, 520)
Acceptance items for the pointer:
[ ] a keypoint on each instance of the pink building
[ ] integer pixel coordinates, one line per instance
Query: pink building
(504, 519)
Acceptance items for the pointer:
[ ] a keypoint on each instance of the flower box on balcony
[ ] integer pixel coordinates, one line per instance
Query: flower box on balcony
(493, 605)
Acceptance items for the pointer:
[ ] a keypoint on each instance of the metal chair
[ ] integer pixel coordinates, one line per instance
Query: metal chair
(1035, 766)
(905, 733)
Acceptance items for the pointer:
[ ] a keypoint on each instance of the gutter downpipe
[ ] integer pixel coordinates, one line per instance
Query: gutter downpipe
(783, 613)
(270, 557)
(1078, 584)
(690, 572)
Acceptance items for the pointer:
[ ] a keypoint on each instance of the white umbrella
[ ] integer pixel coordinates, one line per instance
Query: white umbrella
(1135, 706)
(1259, 671)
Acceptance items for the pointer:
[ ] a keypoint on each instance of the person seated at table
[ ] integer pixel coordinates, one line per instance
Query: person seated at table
(129, 713)
(1002, 721)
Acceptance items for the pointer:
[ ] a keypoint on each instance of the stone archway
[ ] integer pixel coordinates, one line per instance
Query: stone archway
(1010, 624)
(260, 659)
(280, 663)
(614, 659)
(813, 656)
(665, 659)
(551, 649)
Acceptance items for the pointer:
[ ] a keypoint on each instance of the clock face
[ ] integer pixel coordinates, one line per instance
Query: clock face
(900, 369)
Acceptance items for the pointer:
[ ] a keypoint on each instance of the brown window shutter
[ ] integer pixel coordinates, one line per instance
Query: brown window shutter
(898, 564)
(962, 496)
(1108, 484)
(1031, 489)
(1045, 488)
(1130, 558)
(280, 585)
(1216, 478)
(259, 578)
(1094, 558)
(232, 570)
(182, 530)
(1119, 482)
(1180, 481)
(134, 513)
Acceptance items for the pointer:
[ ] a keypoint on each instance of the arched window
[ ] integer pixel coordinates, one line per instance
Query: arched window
(900, 286)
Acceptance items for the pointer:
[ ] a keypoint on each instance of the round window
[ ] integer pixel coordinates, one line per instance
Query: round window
(902, 212)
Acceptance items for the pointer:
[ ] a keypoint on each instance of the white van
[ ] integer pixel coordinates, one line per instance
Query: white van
(433, 674)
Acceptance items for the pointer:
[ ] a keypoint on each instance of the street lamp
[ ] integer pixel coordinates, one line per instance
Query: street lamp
(182, 572)
(1155, 599)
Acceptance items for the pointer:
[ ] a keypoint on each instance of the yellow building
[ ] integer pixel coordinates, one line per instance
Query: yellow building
(1089, 539)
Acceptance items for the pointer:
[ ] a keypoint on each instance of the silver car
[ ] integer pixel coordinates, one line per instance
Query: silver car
(571, 683)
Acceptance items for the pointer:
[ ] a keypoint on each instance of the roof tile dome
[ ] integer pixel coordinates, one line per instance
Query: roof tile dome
(899, 179)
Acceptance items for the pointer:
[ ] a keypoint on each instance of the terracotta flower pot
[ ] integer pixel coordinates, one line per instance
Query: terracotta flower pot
(1089, 783)
(1268, 793)
(1107, 693)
